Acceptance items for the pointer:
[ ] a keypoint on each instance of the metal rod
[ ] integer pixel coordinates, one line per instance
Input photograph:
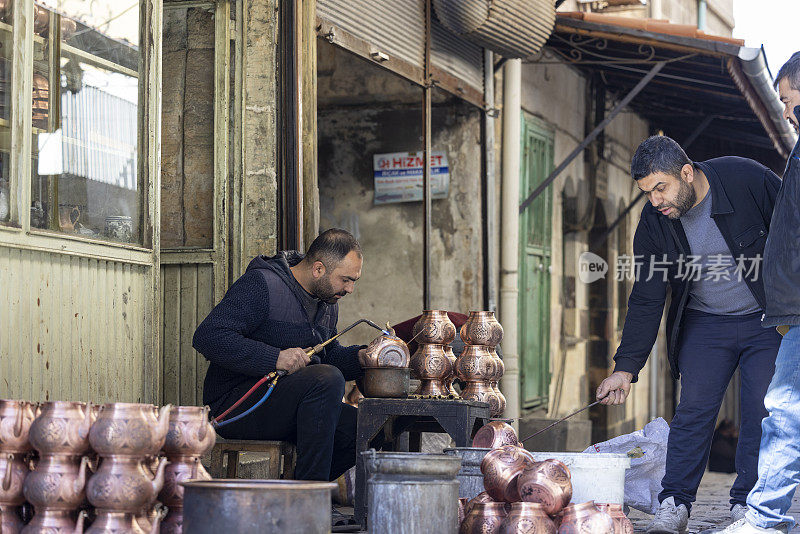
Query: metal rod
(490, 188)
(548, 427)
(426, 173)
(591, 137)
(316, 348)
(697, 131)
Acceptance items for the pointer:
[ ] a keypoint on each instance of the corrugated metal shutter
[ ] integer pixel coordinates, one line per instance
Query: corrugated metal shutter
(456, 56)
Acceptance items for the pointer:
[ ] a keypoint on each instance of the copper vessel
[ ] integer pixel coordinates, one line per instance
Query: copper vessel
(622, 525)
(481, 328)
(462, 509)
(55, 522)
(15, 424)
(527, 518)
(437, 328)
(484, 518)
(387, 351)
(495, 434)
(501, 368)
(124, 484)
(481, 497)
(13, 470)
(41, 101)
(108, 522)
(431, 365)
(585, 518)
(10, 520)
(547, 483)
(124, 429)
(173, 523)
(448, 381)
(62, 427)
(150, 518)
(41, 19)
(475, 364)
(180, 470)
(501, 468)
(190, 432)
(482, 392)
(57, 483)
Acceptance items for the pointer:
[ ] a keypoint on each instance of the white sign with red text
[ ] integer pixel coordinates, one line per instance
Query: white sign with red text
(398, 176)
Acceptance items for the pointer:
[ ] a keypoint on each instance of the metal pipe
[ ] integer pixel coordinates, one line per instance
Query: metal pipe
(490, 191)
(702, 13)
(509, 246)
(426, 173)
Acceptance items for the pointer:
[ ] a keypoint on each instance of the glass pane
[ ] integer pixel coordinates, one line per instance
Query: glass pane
(84, 169)
(6, 47)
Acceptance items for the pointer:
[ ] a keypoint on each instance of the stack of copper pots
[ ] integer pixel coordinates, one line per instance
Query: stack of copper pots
(433, 362)
(128, 438)
(479, 366)
(56, 485)
(15, 423)
(190, 436)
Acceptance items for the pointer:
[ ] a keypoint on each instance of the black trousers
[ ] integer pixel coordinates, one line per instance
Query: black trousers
(306, 409)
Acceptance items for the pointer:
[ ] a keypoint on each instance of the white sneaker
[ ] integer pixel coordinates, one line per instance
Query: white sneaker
(737, 512)
(743, 526)
(669, 519)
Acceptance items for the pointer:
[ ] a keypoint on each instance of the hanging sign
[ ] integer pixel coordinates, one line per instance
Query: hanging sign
(398, 176)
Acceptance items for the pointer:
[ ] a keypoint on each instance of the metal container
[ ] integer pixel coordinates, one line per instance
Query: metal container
(470, 478)
(386, 382)
(411, 492)
(264, 506)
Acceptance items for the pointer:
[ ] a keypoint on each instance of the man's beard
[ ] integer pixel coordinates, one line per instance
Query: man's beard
(684, 201)
(323, 290)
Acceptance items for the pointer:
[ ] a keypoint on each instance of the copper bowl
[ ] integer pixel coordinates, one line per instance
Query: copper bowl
(501, 468)
(495, 434)
(387, 351)
(547, 483)
(527, 518)
(585, 518)
(437, 328)
(481, 328)
(386, 382)
(622, 525)
(484, 518)
(475, 364)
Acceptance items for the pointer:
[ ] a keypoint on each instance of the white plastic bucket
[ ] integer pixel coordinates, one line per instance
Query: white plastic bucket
(595, 477)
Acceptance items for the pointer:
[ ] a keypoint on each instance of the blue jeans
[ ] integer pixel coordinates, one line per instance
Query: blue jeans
(712, 347)
(779, 459)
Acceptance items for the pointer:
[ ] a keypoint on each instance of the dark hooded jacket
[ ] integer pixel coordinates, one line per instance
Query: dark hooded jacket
(259, 316)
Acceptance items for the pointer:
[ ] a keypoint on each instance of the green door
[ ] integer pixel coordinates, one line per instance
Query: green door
(534, 262)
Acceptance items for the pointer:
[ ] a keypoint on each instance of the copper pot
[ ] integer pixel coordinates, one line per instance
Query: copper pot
(547, 483)
(527, 518)
(622, 525)
(501, 468)
(448, 381)
(15, 423)
(481, 328)
(481, 497)
(10, 520)
(124, 429)
(495, 434)
(149, 519)
(180, 470)
(430, 362)
(585, 518)
(484, 518)
(55, 522)
(462, 509)
(41, 19)
(475, 364)
(190, 432)
(483, 392)
(124, 484)
(109, 522)
(498, 361)
(13, 470)
(387, 351)
(437, 328)
(173, 523)
(62, 427)
(57, 483)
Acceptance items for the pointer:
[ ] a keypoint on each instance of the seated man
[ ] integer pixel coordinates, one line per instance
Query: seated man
(278, 307)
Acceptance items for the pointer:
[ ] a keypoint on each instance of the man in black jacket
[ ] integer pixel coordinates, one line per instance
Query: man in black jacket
(702, 234)
(779, 458)
(279, 306)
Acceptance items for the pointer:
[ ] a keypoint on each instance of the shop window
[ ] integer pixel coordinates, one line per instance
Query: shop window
(84, 178)
(6, 46)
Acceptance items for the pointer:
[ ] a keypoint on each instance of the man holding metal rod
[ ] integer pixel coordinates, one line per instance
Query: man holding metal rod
(702, 234)
(269, 324)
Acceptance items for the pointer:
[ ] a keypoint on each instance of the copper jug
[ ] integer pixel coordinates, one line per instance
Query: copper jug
(387, 351)
(622, 525)
(125, 429)
(190, 432)
(55, 522)
(448, 381)
(10, 520)
(495, 434)
(547, 483)
(41, 19)
(475, 364)
(585, 518)
(150, 518)
(484, 518)
(482, 392)
(15, 423)
(173, 523)
(437, 328)
(13, 470)
(481, 328)
(527, 518)
(431, 365)
(180, 470)
(109, 522)
(501, 468)
(62, 427)
(481, 497)
(57, 483)
(124, 484)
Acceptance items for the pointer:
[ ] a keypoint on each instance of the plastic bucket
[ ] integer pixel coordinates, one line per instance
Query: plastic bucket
(595, 477)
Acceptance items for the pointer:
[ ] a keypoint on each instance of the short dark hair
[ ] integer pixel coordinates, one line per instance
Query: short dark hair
(331, 246)
(791, 71)
(658, 153)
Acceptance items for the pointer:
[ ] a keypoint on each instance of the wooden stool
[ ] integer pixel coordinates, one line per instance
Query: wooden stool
(281, 457)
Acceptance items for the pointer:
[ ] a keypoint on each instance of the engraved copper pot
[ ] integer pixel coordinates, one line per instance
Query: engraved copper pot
(109, 522)
(431, 365)
(173, 523)
(501, 368)
(10, 520)
(190, 432)
(482, 392)
(547, 483)
(462, 509)
(437, 328)
(62, 427)
(484, 518)
(475, 364)
(124, 429)
(57, 483)
(527, 518)
(150, 519)
(15, 424)
(55, 522)
(481, 497)
(387, 351)
(13, 470)
(448, 381)
(501, 468)
(585, 518)
(481, 328)
(495, 434)
(180, 470)
(622, 525)
(124, 484)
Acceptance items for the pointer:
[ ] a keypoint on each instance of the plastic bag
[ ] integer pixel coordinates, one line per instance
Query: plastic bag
(647, 449)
